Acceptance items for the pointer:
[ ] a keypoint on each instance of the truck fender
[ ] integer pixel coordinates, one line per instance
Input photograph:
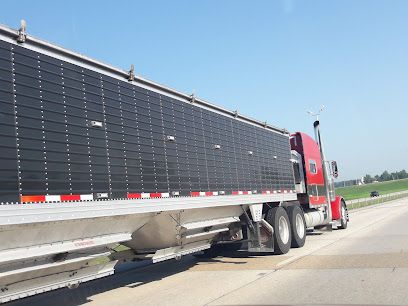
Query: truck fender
(336, 207)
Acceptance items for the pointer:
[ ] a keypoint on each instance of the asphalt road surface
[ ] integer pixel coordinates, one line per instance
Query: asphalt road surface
(367, 264)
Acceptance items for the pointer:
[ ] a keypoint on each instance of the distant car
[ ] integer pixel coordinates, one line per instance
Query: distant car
(374, 194)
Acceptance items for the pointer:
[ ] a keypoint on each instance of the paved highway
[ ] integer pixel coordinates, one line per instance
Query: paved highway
(367, 264)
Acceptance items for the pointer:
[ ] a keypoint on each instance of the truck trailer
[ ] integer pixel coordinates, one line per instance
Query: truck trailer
(92, 157)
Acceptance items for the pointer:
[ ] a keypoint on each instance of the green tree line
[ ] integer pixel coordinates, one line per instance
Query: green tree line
(386, 176)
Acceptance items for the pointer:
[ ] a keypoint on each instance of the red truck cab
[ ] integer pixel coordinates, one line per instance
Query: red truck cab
(312, 186)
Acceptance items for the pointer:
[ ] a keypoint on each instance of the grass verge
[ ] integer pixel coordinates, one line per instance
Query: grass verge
(363, 191)
(374, 201)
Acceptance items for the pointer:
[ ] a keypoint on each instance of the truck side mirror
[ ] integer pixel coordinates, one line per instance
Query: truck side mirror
(335, 170)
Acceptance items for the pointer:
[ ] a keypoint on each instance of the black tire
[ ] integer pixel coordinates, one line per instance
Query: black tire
(282, 234)
(297, 225)
(344, 216)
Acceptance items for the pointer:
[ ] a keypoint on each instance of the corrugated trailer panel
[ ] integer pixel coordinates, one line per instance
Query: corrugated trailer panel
(82, 132)
(8, 146)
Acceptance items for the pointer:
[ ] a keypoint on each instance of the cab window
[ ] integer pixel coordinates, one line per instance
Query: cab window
(312, 166)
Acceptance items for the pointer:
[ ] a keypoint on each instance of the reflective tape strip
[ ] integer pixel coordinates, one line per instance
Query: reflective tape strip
(70, 197)
(56, 198)
(206, 193)
(32, 198)
(53, 198)
(240, 192)
(134, 195)
(87, 197)
(148, 195)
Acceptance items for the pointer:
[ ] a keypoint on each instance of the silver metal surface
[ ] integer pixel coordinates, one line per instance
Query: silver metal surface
(97, 124)
(314, 218)
(177, 251)
(131, 75)
(169, 229)
(22, 34)
(327, 179)
(45, 278)
(39, 250)
(256, 212)
(343, 214)
(46, 212)
(211, 222)
(300, 227)
(283, 229)
(267, 226)
(207, 233)
(297, 160)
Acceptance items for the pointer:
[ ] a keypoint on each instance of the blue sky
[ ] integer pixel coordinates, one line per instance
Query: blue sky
(271, 60)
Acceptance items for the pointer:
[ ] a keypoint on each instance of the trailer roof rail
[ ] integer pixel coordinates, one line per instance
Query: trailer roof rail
(21, 36)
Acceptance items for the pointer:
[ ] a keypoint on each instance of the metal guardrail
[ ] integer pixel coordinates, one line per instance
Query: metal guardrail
(357, 203)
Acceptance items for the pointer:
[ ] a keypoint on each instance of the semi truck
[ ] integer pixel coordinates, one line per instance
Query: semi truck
(92, 157)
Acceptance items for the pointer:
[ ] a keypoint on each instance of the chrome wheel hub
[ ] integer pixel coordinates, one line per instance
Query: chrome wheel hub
(300, 227)
(283, 230)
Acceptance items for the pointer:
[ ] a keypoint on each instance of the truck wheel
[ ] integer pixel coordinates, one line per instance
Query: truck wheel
(297, 225)
(344, 216)
(278, 218)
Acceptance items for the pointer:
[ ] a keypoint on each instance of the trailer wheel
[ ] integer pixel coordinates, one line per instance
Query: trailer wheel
(297, 225)
(278, 218)
(344, 216)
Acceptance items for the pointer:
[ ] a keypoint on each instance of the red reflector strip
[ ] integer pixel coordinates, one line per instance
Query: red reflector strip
(155, 195)
(70, 197)
(32, 198)
(209, 193)
(134, 196)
